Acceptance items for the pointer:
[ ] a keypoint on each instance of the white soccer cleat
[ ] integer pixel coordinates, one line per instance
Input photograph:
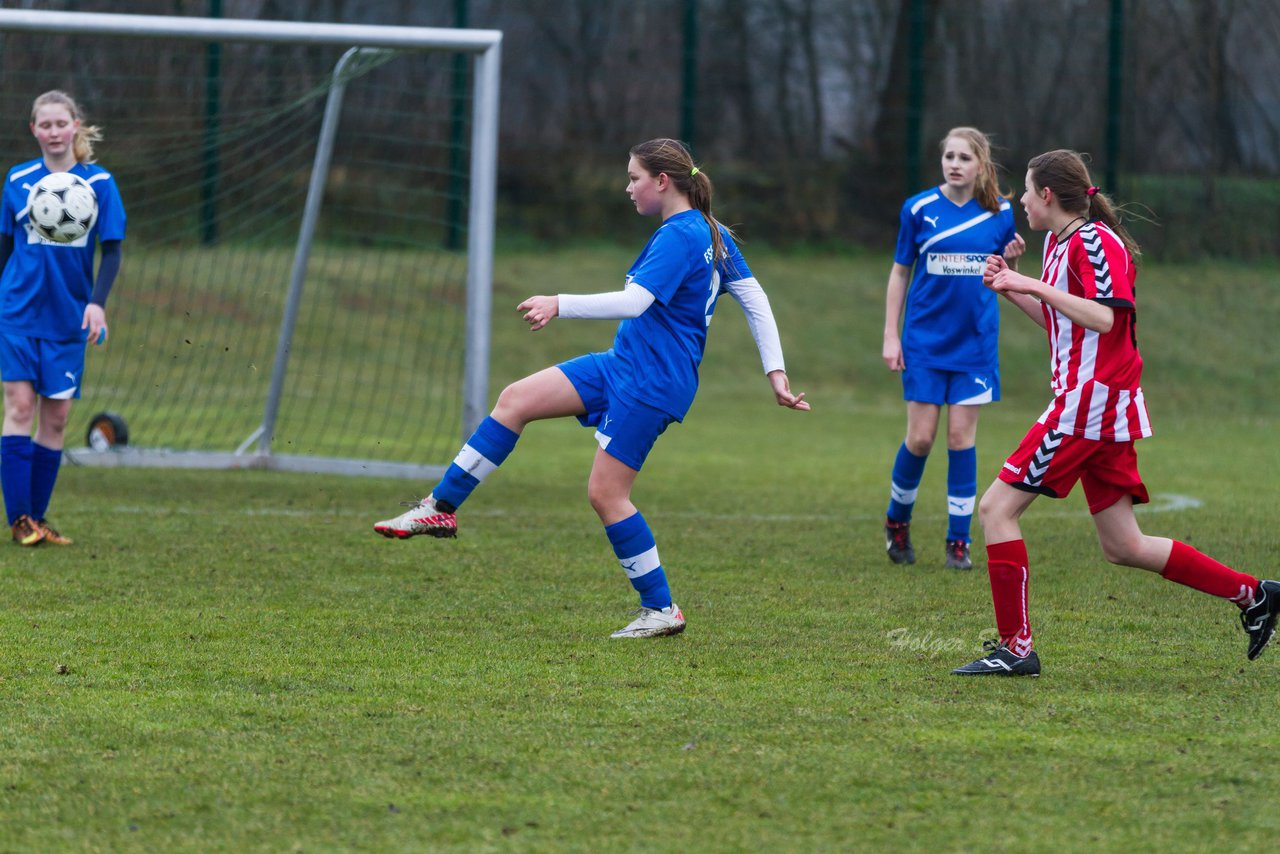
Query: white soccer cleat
(422, 517)
(653, 623)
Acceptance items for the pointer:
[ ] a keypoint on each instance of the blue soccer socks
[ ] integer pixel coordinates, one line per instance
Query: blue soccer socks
(45, 464)
(962, 489)
(962, 492)
(907, 471)
(638, 554)
(487, 449)
(15, 475)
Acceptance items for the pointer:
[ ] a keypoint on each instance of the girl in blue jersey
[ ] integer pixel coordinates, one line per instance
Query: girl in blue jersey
(630, 393)
(947, 351)
(51, 305)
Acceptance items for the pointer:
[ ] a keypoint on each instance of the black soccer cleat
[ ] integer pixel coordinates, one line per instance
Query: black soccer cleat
(1259, 619)
(1001, 662)
(897, 541)
(958, 555)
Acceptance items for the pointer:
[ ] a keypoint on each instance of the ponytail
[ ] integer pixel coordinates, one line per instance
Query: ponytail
(672, 157)
(1105, 211)
(699, 193)
(82, 145)
(1065, 173)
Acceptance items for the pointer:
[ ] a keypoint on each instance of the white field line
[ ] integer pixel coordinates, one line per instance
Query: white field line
(1160, 504)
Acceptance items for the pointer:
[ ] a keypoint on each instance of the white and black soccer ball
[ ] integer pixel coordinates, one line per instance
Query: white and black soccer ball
(62, 207)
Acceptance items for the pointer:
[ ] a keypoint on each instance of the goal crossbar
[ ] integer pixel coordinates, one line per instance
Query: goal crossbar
(230, 29)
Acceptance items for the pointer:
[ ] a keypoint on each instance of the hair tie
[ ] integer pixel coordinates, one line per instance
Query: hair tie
(1092, 191)
(693, 171)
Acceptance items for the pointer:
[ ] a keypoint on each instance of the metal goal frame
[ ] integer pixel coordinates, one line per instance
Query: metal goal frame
(485, 47)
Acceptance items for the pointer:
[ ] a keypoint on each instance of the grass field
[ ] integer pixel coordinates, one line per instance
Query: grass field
(231, 661)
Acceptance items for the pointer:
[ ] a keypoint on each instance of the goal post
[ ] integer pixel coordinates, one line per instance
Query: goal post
(381, 344)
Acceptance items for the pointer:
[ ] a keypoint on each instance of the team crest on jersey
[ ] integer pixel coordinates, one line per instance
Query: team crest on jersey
(955, 263)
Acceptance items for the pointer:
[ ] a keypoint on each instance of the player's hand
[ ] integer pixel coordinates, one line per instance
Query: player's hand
(1012, 282)
(95, 321)
(892, 353)
(539, 310)
(782, 391)
(995, 264)
(1014, 248)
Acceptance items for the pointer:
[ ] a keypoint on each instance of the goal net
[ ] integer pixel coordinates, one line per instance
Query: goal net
(305, 280)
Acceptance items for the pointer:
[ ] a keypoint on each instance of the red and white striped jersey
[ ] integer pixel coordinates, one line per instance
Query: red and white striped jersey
(1096, 376)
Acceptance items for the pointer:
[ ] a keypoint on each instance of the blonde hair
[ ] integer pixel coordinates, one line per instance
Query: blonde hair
(86, 135)
(987, 186)
(672, 157)
(1065, 172)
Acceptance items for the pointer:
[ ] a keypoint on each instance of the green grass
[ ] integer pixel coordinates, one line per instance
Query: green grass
(231, 661)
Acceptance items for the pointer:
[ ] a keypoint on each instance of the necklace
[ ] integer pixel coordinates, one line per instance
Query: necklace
(1059, 237)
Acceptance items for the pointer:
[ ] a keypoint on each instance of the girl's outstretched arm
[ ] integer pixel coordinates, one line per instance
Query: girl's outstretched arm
(764, 329)
(631, 301)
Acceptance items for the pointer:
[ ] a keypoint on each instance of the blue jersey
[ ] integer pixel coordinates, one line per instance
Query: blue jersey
(952, 320)
(655, 356)
(46, 286)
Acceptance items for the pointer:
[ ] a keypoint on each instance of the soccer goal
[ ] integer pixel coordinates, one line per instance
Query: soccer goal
(306, 282)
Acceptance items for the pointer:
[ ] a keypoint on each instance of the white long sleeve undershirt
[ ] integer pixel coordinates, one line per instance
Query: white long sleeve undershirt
(634, 299)
(764, 329)
(631, 301)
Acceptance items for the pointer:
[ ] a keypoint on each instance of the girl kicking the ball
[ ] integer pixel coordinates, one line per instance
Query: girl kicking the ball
(1085, 300)
(51, 305)
(632, 392)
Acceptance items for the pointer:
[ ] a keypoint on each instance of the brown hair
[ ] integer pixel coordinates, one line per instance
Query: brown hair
(987, 187)
(672, 157)
(86, 135)
(1065, 173)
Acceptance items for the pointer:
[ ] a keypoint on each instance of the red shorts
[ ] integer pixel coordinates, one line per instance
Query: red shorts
(1050, 463)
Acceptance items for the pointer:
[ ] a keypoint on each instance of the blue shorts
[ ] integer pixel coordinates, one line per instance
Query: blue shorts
(626, 430)
(954, 388)
(54, 368)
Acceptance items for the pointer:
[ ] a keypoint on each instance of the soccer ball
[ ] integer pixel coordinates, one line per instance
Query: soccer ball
(107, 430)
(62, 207)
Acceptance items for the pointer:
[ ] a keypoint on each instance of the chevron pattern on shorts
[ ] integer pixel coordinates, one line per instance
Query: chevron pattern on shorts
(1039, 463)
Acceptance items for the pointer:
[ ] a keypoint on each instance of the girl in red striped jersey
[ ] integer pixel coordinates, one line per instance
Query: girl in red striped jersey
(1085, 300)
